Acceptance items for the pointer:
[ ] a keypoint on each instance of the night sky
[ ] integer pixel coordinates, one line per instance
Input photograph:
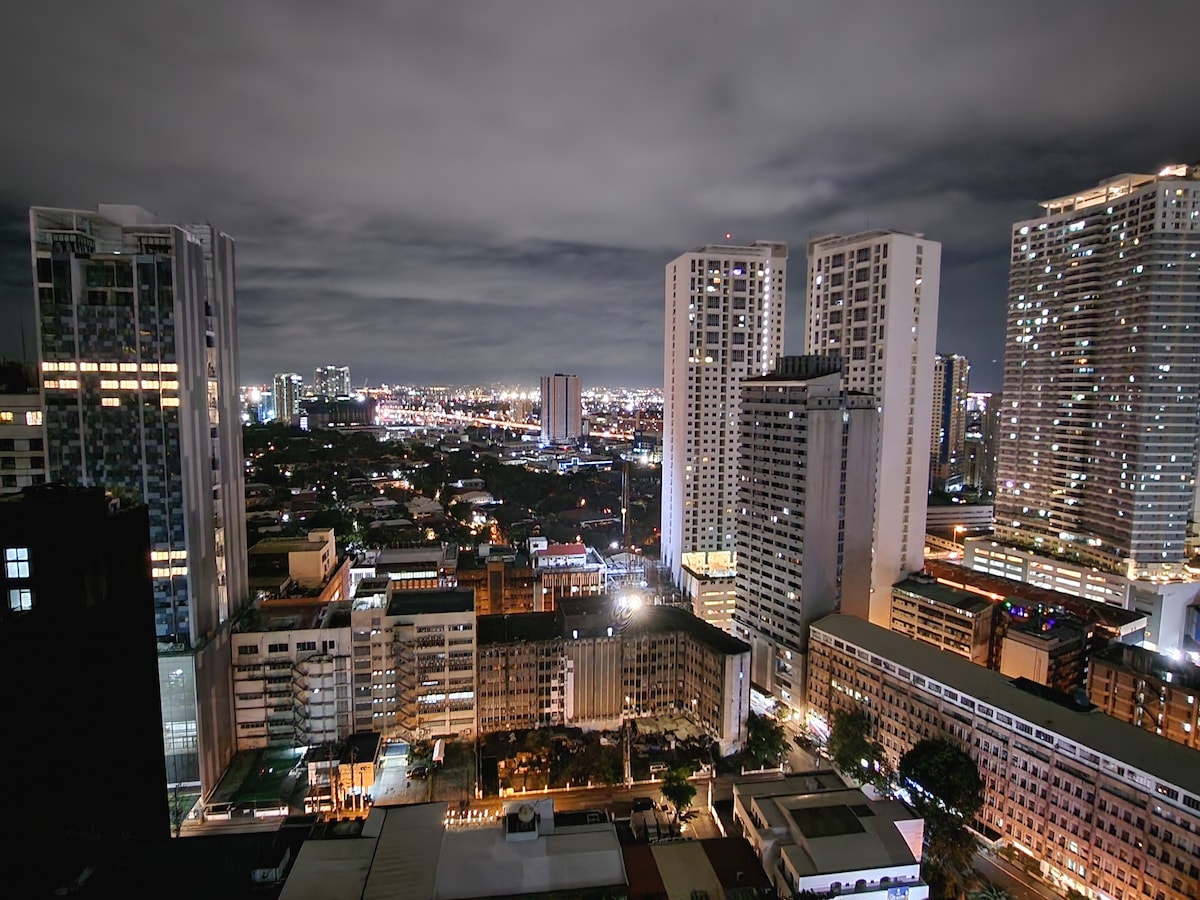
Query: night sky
(486, 192)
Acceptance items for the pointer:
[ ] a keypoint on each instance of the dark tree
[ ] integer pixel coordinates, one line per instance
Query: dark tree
(854, 752)
(944, 786)
(765, 739)
(678, 789)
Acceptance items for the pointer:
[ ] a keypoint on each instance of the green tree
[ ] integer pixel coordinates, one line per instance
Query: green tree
(989, 891)
(765, 739)
(944, 787)
(854, 752)
(678, 789)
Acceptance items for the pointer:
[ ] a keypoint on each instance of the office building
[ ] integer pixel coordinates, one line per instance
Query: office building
(817, 838)
(980, 442)
(873, 301)
(805, 479)
(74, 574)
(951, 374)
(137, 329)
(331, 382)
(1043, 649)
(1103, 807)
(562, 409)
(22, 443)
(724, 322)
(289, 388)
(596, 662)
(1102, 376)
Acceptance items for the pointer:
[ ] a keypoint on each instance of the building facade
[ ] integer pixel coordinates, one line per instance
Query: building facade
(724, 322)
(1102, 376)
(1105, 808)
(289, 389)
(331, 382)
(137, 331)
(805, 512)
(562, 409)
(980, 442)
(1147, 689)
(951, 379)
(22, 441)
(957, 621)
(873, 301)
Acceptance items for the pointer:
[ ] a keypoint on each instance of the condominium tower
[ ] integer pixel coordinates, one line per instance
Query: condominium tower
(948, 431)
(873, 301)
(562, 409)
(288, 387)
(805, 508)
(331, 381)
(137, 328)
(1097, 458)
(724, 322)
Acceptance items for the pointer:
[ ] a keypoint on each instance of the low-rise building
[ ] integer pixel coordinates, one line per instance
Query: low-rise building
(1147, 689)
(594, 663)
(707, 579)
(342, 773)
(1046, 651)
(22, 443)
(816, 837)
(502, 583)
(1107, 809)
(292, 569)
(946, 617)
(563, 571)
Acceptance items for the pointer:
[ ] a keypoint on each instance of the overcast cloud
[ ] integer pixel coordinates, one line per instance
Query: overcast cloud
(465, 192)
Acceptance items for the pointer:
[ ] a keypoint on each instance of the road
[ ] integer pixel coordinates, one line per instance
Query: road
(1020, 884)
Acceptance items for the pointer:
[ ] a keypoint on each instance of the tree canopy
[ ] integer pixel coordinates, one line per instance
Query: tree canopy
(678, 789)
(854, 752)
(765, 739)
(944, 786)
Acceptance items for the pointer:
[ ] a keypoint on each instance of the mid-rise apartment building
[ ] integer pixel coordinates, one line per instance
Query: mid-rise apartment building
(1106, 808)
(22, 440)
(1102, 376)
(331, 382)
(951, 378)
(1147, 689)
(805, 497)
(137, 337)
(724, 322)
(950, 619)
(873, 301)
(562, 409)
(563, 571)
(594, 663)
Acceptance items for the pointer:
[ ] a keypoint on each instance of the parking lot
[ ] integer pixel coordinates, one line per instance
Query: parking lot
(392, 784)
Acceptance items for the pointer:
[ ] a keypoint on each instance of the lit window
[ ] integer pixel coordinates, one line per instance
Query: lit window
(128, 367)
(149, 367)
(149, 384)
(169, 367)
(170, 401)
(109, 384)
(33, 417)
(89, 367)
(127, 385)
(108, 367)
(51, 383)
(16, 562)
(170, 385)
(20, 599)
(109, 401)
(6, 417)
(49, 367)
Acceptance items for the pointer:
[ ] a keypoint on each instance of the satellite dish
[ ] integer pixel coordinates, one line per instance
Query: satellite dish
(525, 813)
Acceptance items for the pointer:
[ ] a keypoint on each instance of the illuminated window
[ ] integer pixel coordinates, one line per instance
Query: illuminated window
(89, 367)
(108, 367)
(33, 417)
(128, 367)
(6, 417)
(109, 384)
(149, 384)
(168, 367)
(16, 562)
(170, 385)
(51, 383)
(149, 367)
(127, 385)
(170, 401)
(20, 599)
(49, 367)
(66, 367)
(109, 401)
(69, 383)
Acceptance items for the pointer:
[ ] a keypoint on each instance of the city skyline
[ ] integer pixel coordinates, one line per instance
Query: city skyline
(392, 188)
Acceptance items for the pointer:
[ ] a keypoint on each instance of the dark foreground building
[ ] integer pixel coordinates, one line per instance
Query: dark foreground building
(83, 746)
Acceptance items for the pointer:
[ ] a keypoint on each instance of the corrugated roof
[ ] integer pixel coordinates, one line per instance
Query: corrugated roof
(405, 866)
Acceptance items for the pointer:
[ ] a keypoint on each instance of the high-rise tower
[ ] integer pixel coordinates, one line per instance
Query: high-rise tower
(948, 432)
(724, 322)
(1102, 375)
(806, 495)
(873, 301)
(137, 329)
(288, 387)
(562, 409)
(331, 381)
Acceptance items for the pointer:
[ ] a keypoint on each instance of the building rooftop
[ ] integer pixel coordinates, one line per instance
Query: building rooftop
(712, 867)
(276, 545)
(1154, 755)
(443, 600)
(1142, 660)
(943, 594)
(593, 616)
(514, 628)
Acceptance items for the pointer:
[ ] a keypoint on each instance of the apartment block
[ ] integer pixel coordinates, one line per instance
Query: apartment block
(951, 378)
(1151, 690)
(954, 620)
(22, 439)
(1106, 808)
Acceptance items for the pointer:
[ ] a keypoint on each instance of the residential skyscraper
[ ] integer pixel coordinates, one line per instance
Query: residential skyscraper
(137, 328)
(873, 300)
(1102, 376)
(562, 409)
(288, 389)
(806, 494)
(724, 322)
(331, 381)
(951, 374)
(980, 442)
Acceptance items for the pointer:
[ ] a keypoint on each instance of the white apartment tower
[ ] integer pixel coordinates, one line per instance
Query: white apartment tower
(331, 381)
(951, 374)
(288, 388)
(806, 495)
(1098, 426)
(724, 322)
(137, 332)
(562, 409)
(873, 301)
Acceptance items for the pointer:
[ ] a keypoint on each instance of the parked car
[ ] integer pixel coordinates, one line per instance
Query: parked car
(641, 804)
(657, 767)
(418, 772)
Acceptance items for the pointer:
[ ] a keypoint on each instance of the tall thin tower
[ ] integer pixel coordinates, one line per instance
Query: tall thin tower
(137, 331)
(873, 301)
(1102, 376)
(724, 322)
(951, 374)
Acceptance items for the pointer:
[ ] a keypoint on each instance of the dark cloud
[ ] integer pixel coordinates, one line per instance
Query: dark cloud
(488, 191)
